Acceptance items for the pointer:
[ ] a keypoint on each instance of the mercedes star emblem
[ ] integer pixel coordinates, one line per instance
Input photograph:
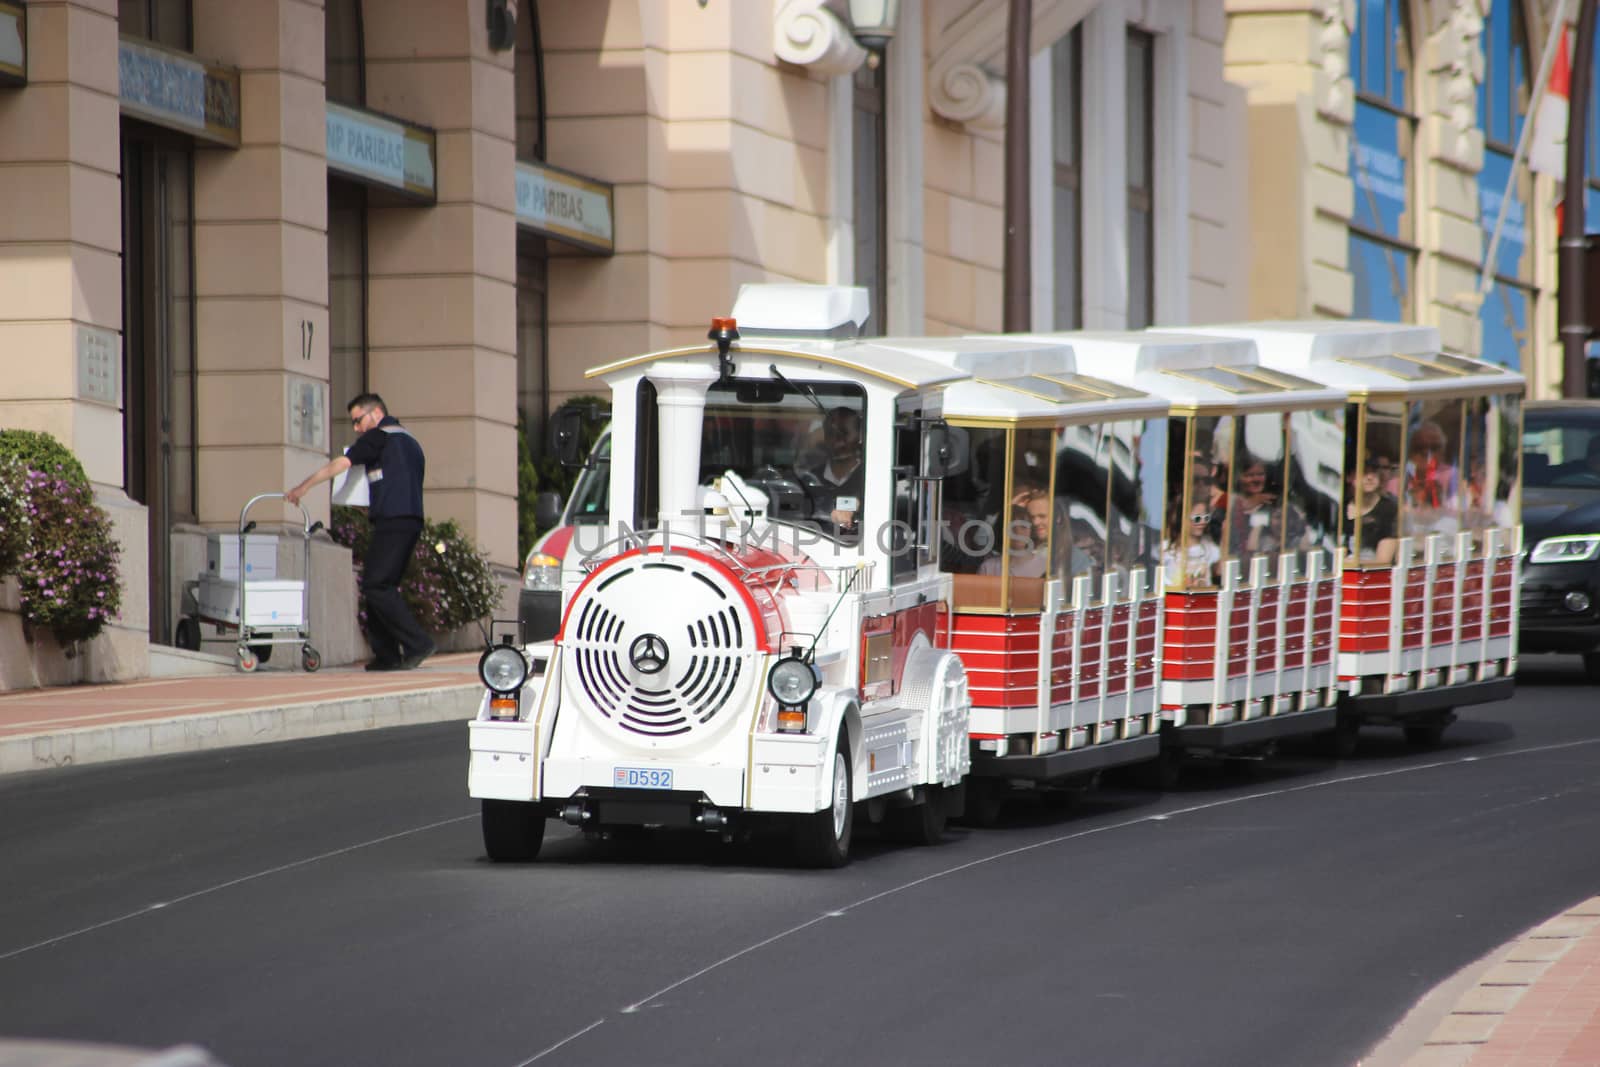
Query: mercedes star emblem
(648, 654)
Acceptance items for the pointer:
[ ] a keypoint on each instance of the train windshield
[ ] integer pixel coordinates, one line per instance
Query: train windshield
(801, 443)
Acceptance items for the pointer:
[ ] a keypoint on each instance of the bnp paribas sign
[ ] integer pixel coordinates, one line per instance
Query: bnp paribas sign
(380, 150)
(564, 206)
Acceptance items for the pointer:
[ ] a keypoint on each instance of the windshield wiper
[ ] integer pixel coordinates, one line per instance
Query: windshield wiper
(804, 390)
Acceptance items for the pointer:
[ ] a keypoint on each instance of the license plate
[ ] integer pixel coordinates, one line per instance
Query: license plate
(641, 778)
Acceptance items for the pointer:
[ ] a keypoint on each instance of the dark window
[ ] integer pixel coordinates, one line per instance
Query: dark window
(870, 187)
(1141, 179)
(1066, 140)
(1505, 317)
(343, 52)
(167, 22)
(347, 292)
(1383, 251)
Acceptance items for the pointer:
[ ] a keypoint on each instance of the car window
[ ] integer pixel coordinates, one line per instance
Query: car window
(1561, 449)
(591, 496)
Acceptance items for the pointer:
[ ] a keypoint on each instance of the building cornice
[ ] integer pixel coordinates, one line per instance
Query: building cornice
(966, 53)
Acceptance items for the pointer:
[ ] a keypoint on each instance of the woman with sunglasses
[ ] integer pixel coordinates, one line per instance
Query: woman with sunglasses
(1200, 557)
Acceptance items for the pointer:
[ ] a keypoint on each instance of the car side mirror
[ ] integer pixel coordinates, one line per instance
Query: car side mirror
(547, 509)
(566, 436)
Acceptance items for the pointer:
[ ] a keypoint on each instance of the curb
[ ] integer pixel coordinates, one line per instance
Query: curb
(1482, 995)
(232, 729)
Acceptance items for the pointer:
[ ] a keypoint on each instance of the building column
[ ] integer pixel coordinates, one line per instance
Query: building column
(261, 262)
(61, 294)
(1294, 64)
(442, 278)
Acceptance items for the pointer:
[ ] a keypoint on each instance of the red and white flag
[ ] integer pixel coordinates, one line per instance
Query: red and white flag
(1548, 152)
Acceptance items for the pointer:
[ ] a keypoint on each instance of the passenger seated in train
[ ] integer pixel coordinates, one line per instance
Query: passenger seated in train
(1195, 564)
(1378, 517)
(1255, 528)
(1432, 482)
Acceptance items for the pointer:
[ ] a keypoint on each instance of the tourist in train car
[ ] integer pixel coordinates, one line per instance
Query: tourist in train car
(1372, 517)
(1432, 482)
(1259, 525)
(1195, 564)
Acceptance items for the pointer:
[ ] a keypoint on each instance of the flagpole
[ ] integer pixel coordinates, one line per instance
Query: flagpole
(1541, 83)
(1575, 327)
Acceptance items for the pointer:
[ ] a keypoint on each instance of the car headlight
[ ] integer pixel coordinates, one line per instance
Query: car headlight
(503, 669)
(1573, 548)
(542, 573)
(791, 682)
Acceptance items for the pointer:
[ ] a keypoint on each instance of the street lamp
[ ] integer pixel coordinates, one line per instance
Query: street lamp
(873, 22)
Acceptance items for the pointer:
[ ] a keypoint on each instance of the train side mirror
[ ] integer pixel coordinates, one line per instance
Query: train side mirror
(566, 436)
(942, 450)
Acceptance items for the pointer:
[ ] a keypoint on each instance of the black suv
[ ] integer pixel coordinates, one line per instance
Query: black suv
(1561, 530)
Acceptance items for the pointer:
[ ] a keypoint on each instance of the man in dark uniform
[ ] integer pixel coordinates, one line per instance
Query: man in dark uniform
(394, 463)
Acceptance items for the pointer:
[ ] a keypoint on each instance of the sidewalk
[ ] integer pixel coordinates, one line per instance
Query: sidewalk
(57, 727)
(1532, 1003)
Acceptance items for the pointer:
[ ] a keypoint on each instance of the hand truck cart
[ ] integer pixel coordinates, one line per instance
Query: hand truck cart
(262, 612)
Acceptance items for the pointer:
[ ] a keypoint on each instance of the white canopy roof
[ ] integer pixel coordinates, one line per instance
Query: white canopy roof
(1192, 370)
(854, 359)
(1365, 356)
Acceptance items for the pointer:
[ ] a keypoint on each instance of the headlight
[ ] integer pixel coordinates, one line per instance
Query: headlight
(542, 573)
(1573, 548)
(503, 669)
(791, 682)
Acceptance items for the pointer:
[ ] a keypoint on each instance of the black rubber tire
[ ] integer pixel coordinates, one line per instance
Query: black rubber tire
(310, 659)
(816, 841)
(921, 824)
(513, 830)
(1425, 734)
(186, 634)
(986, 802)
(1342, 741)
(1161, 773)
(1591, 666)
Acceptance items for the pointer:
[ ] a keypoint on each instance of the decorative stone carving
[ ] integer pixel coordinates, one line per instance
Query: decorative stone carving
(805, 32)
(1333, 59)
(1465, 70)
(967, 93)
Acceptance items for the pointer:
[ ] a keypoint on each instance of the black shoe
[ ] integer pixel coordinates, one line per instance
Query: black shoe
(381, 664)
(414, 659)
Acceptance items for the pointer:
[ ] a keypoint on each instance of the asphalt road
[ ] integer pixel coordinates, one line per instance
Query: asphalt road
(327, 902)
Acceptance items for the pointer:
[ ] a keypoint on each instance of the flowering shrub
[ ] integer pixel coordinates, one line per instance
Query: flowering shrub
(15, 523)
(40, 451)
(444, 590)
(68, 573)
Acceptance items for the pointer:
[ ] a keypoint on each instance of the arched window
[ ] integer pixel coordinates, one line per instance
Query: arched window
(345, 58)
(1506, 316)
(1383, 251)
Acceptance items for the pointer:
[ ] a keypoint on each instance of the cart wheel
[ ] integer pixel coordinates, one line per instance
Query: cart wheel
(263, 652)
(310, 658)
(186, 634)
(247, 659)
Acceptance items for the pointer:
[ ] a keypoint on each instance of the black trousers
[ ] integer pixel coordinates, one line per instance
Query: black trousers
(392, 631)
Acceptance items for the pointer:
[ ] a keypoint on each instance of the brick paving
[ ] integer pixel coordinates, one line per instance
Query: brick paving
(1536, 1005)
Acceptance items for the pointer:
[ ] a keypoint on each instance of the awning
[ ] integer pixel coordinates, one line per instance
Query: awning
(175, 90)
(382, 151)
(565, 207)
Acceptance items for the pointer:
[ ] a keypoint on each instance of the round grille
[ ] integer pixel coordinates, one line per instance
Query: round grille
(659, 648)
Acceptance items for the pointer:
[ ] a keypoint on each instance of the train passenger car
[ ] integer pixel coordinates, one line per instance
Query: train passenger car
(1051, 529)
(1249, 546)
(762, 640)
(1431, 525)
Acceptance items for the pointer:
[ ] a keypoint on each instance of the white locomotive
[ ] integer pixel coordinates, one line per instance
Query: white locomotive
(896, 578)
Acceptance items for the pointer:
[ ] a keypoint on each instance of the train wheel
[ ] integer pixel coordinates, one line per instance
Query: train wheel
(986, 799)
(513, 830)
(1162, 773)
(1342, 741)
(823, 839)
(1426, 734)
(921, 824)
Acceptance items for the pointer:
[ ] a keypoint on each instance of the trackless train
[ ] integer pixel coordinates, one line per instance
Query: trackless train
(895, 579)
